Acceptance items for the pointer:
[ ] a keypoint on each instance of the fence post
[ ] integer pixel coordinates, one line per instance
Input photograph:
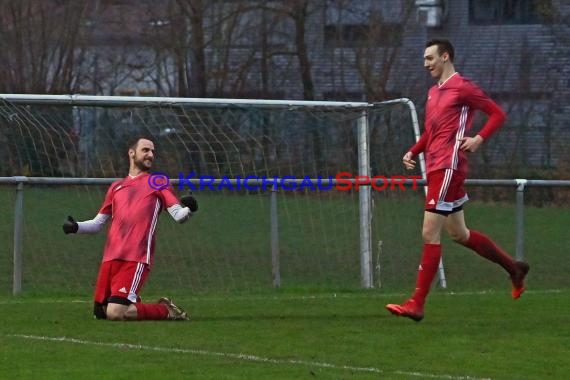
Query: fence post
(18, 236)
(364, 204)
(519, 250)
(274, 221)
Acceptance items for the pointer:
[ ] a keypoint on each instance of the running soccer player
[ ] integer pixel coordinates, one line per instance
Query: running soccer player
(450, 108)
(133, 206)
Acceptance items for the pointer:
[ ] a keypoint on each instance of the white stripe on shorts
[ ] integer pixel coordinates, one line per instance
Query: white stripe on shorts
(136, 281)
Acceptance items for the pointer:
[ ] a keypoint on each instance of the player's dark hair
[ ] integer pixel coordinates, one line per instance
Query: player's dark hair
(443, 46)
(132, 143)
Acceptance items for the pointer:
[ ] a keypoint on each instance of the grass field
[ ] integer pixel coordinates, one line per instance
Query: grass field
(318, 325)
(290, 335)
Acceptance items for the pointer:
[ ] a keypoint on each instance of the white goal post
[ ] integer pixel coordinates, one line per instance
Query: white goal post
(218, 150)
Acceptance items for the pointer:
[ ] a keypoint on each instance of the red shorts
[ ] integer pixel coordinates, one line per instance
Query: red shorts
(118, 278)
(445, 190)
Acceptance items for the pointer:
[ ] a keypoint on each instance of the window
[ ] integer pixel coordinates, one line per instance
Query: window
(485, 12)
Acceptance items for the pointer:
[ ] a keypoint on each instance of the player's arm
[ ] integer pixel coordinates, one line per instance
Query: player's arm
(182, 209)
(477, 99)
(92, 226)
(419, 147)
(179, 213)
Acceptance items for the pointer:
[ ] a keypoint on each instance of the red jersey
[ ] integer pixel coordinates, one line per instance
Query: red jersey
(134, 207)
(450, 109)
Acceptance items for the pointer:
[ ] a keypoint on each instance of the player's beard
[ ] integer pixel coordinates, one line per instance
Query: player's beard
(142, 165)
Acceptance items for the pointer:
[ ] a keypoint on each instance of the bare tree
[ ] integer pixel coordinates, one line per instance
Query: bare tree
(40, 45)
(299, 11)
(377, 56)
(186, 41)
(199, 55)
(170, 35)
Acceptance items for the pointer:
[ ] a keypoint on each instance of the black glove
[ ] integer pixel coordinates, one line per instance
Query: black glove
(190, 202)
(70, 226)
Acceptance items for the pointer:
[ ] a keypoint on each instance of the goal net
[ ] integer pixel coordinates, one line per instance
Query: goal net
(227, 246)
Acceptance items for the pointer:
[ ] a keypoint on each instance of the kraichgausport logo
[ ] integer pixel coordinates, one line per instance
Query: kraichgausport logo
(343, 181)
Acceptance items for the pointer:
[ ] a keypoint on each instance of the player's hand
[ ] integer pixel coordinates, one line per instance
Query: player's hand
(409, 163)
(471, 144)
(190, 202)
(70, 226)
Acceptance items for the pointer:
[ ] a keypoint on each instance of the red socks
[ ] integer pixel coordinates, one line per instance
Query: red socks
(426, 272)
(431, 256)
(151, 311)
(489, 250)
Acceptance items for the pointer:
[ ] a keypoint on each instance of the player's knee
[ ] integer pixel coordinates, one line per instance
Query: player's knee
(115, 315)
(430, 235)
(117, 308)
(458, 234)
(460, 237)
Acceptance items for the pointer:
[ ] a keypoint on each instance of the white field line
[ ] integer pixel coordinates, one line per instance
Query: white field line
(241, 356)
(285, 297)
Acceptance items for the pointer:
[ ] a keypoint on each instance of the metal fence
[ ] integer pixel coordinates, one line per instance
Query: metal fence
(19, 182)
(78, 137)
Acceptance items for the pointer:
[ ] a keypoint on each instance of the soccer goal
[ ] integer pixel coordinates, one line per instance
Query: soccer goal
(65, 150)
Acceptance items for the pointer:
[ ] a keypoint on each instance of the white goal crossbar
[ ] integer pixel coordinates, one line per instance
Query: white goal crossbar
(364, 148)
